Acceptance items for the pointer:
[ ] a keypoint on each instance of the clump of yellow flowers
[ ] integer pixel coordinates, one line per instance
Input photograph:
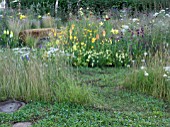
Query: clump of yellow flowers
(114, 31)
(21, 16)
(93, 44)
(8, 33)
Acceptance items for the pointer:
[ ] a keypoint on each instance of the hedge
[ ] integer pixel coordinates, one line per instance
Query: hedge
(44, 6)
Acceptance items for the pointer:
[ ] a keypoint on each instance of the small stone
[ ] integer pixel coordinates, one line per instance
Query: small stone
(10, 106)
(167, 68)
(22, 124)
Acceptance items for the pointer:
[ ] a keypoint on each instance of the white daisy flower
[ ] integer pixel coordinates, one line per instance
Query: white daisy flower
(146, 74)
(125, 27)
(142, 67)
(165, 75)
(156, 14)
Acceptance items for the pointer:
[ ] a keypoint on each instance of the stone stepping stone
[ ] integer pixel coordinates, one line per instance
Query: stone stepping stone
(22, 124)
(10, 106)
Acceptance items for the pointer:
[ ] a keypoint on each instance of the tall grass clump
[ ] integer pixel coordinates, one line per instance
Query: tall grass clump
(32, 78)
(152, 79)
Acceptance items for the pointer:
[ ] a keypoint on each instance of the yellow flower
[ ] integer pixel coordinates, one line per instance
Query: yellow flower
(117, 55)
(104, 33)
(82, 43)
(7, 32)
(74, 47)
(117, 41)
(95, 31)
(22, 17)
(114, 31)
(90, 31)
(11, 34)
(57, 42)
(65, 42)
(72, 26)
(110, 40)
(48, 14)
(55, 34)
(93, 40)
(39, 16)
(92, 47)
(71, 37)
(75, 37)
(45, 55)
(70, 31)
(101, 23)
(4, 31)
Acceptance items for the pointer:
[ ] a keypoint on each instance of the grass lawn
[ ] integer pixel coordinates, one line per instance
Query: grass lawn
(115, 106)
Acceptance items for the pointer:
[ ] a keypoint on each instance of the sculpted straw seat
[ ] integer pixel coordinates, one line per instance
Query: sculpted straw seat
(37, 33)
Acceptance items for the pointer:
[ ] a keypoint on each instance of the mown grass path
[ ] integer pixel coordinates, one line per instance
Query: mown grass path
(115, 106)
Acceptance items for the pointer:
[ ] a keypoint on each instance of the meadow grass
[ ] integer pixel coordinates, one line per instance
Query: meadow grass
(29, 78)
(151, 78)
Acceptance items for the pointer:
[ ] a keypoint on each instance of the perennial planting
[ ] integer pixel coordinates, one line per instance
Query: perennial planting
(91, 41)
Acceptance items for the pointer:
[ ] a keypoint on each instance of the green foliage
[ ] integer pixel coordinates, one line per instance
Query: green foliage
(31, 42)
(39, 6)
(97, 6)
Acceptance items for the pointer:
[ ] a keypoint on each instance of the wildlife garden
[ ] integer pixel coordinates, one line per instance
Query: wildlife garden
(85, 63)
